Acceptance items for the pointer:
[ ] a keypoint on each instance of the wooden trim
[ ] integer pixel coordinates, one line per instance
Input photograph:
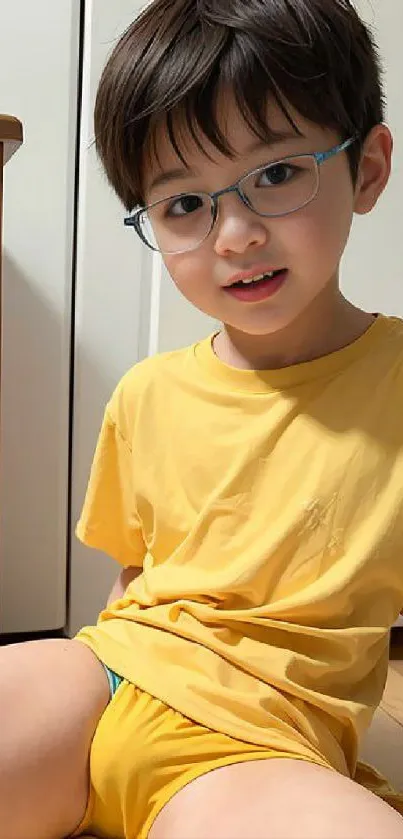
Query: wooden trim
(1, 243)
(11, 136)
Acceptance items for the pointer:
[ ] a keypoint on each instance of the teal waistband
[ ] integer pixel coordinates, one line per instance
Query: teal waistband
(113, 679)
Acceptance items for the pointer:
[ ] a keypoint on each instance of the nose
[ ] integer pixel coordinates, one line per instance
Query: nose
(237, 227)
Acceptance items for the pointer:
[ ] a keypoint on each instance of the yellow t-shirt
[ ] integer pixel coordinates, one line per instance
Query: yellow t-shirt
(266, 509)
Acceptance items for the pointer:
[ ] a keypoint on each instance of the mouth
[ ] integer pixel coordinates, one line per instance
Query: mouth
(258, 287)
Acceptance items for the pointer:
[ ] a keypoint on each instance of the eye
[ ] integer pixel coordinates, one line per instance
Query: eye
(277, 174)
(184, 205)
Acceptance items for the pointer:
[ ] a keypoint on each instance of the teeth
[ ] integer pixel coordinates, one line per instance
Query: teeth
(269, 274)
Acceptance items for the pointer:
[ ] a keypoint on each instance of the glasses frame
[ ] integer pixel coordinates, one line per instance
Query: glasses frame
(134, 220)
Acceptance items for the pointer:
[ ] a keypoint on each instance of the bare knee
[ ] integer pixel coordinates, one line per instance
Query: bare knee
(52, 694)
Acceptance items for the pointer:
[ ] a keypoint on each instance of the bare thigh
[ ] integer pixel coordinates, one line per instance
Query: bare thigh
(52, 694)
(276, 799)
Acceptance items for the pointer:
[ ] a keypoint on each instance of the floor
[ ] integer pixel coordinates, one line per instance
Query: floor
(384, 745)
(31, 636)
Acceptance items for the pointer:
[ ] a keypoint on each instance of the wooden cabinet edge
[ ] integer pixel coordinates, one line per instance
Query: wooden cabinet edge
(11, 135)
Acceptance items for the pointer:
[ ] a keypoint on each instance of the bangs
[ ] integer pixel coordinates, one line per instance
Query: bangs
(198, 114)
(199, 117)
(177, 62)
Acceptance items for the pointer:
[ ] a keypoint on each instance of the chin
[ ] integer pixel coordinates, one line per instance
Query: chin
(260, 327)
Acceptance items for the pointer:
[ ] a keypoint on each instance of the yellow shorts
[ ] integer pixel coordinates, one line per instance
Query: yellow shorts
(142, 754)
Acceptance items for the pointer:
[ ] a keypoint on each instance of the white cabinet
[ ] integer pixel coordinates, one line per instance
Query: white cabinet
(39, 64)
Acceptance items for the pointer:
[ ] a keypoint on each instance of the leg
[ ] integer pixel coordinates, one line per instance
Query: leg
(52, 694)
(276, 799)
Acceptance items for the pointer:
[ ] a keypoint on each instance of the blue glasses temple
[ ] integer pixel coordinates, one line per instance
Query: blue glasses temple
(323, 156)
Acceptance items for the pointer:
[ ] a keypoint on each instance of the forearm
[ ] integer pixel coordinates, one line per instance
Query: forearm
(126, 576)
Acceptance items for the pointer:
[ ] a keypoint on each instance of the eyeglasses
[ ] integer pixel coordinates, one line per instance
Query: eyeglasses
(181, 223)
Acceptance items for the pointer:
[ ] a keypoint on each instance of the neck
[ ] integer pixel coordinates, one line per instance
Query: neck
(325, 327)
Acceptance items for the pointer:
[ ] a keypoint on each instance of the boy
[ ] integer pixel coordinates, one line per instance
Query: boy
(250, 486)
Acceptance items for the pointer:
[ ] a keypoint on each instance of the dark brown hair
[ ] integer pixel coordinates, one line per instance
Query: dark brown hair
(178, 55)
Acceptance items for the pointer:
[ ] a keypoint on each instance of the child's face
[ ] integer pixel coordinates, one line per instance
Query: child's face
(308, 243)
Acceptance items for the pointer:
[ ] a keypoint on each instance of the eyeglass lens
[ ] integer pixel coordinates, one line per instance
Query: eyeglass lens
(181, 223)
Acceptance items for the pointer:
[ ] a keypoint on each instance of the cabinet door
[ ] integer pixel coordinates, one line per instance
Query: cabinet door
(39, 60)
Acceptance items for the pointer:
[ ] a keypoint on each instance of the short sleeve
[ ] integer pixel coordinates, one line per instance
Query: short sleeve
(109, 521)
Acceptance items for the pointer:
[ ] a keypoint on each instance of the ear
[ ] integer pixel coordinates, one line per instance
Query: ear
(375, 168)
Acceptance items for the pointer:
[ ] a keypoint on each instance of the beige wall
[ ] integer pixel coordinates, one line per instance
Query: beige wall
(372, 271)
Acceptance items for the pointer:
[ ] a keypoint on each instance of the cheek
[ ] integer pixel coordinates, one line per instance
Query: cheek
(334, 211)
(188, 272)
(319, 232)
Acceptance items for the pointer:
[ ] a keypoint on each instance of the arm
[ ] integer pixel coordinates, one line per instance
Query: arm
(125, 577)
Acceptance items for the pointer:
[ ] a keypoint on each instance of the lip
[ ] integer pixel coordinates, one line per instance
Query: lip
(256, 271)
(264, 290)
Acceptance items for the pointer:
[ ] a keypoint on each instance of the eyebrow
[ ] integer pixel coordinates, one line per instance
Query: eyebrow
(180, 174)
